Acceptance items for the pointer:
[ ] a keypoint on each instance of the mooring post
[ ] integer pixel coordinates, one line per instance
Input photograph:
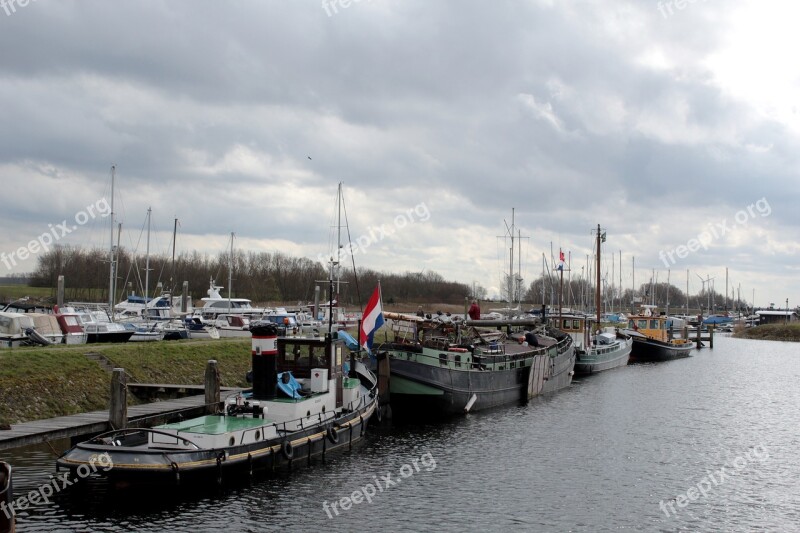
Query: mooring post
(60, 292)
(699, 330)
(118, 411)
(212, 387)
(711, 336)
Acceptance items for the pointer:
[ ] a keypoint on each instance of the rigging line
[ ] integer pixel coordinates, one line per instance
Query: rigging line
(352, 255)
(135, 261)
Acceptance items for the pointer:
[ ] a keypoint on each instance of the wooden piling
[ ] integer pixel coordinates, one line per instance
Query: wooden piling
(212, 387)
(118, 411)
(711, 336)
(60, 292)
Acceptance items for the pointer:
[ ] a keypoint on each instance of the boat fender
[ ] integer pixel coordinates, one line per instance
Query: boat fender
(333, 435)
(287, 449)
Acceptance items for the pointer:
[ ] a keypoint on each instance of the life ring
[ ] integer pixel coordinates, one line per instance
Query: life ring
(333, 435)
(287, 449)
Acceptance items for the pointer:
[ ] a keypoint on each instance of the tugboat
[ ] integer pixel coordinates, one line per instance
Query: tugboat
(652, 339)
(6, 497)
(440, 367)
(306, 401)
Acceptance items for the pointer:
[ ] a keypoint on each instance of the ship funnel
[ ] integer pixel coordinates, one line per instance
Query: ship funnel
(265, 361)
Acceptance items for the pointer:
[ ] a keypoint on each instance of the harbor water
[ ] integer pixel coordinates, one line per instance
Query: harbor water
(707, 443)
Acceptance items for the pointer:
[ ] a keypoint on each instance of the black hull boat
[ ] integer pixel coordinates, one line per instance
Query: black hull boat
(651, 350)
(6, 498)
(303, 404)
(652, 341)
(435, 378)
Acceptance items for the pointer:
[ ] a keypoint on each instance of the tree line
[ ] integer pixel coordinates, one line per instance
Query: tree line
(263, 277)
(581, 294)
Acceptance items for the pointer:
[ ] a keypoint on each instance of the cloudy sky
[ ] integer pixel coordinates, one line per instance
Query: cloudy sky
(662, 121)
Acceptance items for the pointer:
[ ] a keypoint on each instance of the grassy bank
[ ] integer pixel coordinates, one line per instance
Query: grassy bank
(40, 383)
(771, 332)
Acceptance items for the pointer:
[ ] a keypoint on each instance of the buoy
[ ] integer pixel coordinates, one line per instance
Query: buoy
(333, 435)
(287, 449)
(470, 403)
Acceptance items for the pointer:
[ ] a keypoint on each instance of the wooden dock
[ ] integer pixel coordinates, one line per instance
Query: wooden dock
(72, 426)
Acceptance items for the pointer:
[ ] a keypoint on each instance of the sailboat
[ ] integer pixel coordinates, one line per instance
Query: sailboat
(98, 321)
(601, 350)
(332, 311)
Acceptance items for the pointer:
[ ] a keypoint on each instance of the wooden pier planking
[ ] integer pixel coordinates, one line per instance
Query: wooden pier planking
(39, 431)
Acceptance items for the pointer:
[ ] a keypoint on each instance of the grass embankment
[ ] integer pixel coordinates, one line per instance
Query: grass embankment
(771, 332)
(38, 383)
(9, 293)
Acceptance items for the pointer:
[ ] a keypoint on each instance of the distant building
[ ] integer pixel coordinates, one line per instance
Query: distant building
(774, 316)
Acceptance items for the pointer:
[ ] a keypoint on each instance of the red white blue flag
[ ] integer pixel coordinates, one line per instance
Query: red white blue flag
(372, 320)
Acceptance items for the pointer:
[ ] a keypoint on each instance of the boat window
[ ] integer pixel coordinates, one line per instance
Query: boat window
(576, 324)
(631, 324)
(642, 324)
(565, 325)
(654, 324)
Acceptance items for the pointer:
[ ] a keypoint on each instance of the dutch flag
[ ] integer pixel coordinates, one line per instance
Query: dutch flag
(372, 320)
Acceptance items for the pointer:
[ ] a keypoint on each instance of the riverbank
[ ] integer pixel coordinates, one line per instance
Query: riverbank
(37, 383)
(771, 332)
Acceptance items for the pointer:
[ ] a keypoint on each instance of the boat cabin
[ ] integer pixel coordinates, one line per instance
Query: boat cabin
(649, 324)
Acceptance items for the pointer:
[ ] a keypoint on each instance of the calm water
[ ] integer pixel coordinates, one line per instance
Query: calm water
(600, 456)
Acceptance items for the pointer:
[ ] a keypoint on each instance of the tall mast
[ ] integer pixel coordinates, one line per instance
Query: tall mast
(230, 275)
(687, 292)
(147, 267)
(597, 287)
(519, 267)
(172, 274)
(511, 263)
(111, 250)
(336, 257)
(633, 284)
(612, 281)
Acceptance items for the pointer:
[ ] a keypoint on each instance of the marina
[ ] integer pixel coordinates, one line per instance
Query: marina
(622, 443)
(561, 296)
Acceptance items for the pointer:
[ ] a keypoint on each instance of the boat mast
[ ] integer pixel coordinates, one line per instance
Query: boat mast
(519, 268)
(111, 250)
(172, 274)
(597, 287)
(687, 292)
(633, 284)
(147, 268)
(511, 263)
(230, 275)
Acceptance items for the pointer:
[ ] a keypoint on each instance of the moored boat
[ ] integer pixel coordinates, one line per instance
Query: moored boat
(601, 350)
(71, 325)
(652, 339)
(303, 404)
(442, 368)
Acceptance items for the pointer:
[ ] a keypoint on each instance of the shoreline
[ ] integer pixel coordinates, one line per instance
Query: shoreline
(771, 332)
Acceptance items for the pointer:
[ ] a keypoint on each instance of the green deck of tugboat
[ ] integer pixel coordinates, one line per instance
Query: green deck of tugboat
(215, 425)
